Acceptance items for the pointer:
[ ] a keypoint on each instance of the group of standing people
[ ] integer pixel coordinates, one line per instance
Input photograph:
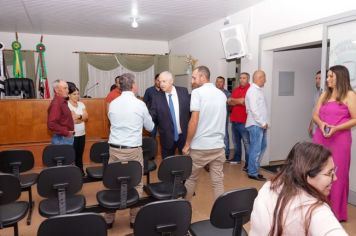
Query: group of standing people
(249, 122)
(310, 194)
(67, 117)
(189, 124)
(195, 124)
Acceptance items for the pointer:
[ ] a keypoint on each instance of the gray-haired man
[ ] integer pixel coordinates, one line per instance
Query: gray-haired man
(128, 115)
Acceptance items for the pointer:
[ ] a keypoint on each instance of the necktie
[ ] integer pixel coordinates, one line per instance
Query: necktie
(173, 115)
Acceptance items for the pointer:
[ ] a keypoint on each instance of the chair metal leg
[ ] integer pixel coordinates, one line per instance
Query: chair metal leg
(16, 230)
(31, 206)
(148, 178)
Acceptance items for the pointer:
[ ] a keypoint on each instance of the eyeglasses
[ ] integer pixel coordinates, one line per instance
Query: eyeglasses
(331, 173)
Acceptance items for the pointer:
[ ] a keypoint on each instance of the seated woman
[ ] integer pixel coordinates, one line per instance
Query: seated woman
(295, 201)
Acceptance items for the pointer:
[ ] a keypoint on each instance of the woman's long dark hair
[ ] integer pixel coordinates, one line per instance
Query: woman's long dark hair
(305, 159)
(342, 83)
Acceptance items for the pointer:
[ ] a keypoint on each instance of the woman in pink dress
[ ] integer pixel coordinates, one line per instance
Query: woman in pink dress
(335, 115)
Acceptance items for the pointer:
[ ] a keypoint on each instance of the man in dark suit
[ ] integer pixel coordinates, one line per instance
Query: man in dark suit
(170, 110)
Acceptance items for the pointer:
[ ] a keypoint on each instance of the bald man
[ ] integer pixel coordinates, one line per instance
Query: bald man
(170, 110)
(256, 124)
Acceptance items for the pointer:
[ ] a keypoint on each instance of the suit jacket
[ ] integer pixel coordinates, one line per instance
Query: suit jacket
(162, 117)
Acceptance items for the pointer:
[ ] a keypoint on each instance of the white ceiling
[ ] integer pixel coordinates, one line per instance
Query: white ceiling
(158, 19)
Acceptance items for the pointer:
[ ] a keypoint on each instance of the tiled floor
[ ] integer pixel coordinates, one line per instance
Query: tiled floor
(201, 203)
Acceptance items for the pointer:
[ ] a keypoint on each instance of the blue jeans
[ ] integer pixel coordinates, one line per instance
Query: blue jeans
(59, 139)
(226, 140)
(258, 144)
(240, 132)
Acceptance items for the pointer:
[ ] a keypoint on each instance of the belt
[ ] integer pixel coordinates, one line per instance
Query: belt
(122, 146)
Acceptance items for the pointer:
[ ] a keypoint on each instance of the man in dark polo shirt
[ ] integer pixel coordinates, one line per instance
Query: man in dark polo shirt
(60, 121)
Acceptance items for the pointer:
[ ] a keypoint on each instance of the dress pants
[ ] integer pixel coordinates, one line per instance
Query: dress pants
(215, 158)
(179, 144)
(132, 154)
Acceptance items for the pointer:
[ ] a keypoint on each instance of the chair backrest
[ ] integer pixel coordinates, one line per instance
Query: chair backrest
(117, 172)
(99, 152)
(14, 87)
(49, 178)
(55, 154)
(149, 149)
(16, 161)
(169, 217)
(88, 224)
(233, 209)
(10, 189)
(175, 165)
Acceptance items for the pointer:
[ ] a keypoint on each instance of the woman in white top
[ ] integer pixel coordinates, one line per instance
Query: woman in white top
(295, 201)
(80, 116)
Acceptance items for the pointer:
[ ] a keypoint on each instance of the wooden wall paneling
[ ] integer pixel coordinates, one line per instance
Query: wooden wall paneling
(23, 125)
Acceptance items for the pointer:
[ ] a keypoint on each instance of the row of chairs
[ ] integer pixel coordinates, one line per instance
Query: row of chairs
(19, 161)
(99, 153)
(59, 185)
(230, 211)
(120, 187)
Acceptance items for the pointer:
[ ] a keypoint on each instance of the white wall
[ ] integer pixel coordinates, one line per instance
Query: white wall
(205, 44)
(62, 63)
(291, 115)
(265, 17)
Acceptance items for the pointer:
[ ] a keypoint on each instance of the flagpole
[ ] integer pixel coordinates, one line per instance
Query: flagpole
(36, 79)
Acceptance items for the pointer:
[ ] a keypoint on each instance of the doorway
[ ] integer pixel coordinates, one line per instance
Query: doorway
(292, 97)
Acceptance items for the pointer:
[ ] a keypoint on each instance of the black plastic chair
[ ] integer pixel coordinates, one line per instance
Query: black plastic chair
(80, 224)
(230, 212)
(16, 162)
(11, 211)
(172, 172)
(58, 155)
(59, 186)
(120, 178)
(169, 217)
(149, 150)
(99, 153)
(16, 86)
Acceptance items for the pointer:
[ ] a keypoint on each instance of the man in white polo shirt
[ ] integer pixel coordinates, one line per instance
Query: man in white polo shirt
(206, 131)
(128, 115)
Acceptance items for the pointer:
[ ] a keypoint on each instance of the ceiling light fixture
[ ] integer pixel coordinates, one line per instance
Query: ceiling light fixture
(134, 23)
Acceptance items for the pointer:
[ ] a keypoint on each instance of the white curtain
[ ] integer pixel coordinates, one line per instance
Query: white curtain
(100, 81)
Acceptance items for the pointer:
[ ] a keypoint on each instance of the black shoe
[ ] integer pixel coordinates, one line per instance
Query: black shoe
(258, 178)
(109, 225)
(132, 225)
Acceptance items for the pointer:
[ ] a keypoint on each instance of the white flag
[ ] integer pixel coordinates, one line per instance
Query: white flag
(2, 71)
